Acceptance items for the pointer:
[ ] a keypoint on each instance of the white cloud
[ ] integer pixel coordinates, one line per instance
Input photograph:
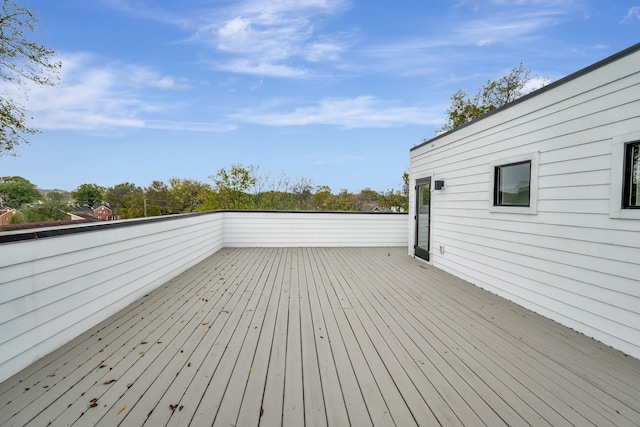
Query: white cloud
(261, 37)
(246, 66)
(535, 83)
(97, 96)
(498, 31)
(362, 111)
(235, 35)
(633, 13)
(507, 27)
(145, 77)
(274, 38)
(324, 51)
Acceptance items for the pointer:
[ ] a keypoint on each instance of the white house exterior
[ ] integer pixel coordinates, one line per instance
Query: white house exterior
(565, 244)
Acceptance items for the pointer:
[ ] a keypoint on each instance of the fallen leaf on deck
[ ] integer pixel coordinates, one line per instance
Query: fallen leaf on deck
(122, 409)
(109, 382)
(205, 323)
(102, 366)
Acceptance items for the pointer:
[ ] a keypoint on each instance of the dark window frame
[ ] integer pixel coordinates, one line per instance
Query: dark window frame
(496, 185)
(627, 185)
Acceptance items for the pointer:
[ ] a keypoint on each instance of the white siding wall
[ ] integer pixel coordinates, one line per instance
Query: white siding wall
(53, 289)
(575, 260)
(294, 229)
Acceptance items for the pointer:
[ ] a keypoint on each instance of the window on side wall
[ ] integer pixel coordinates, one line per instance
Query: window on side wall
(624, 200)
(631, 192)
(514, 184)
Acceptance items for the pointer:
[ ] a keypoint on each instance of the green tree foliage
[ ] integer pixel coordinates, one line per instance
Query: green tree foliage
(15, 192)
(131, 205)
(281, 193)
(189, 195)
(159, 200)
(323, 199)
(232, 187)
(21, 61)
(53, 208)
(237, 187)
(114, 195)
(88, 194)
(493, 94)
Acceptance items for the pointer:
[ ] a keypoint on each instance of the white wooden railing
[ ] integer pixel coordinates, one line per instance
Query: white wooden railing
(56, 283)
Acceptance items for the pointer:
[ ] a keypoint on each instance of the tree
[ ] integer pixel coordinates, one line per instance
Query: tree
(16, 192)
(322, 199)
(53, 208)
(21, 60)
(493, 94)
(114, 195)
(301, 190)
(132, 205)
(88, 194)
(160, 201)
(189, 195)
(232, 187)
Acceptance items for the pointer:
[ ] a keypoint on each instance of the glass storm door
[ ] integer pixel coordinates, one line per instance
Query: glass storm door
(423, 211)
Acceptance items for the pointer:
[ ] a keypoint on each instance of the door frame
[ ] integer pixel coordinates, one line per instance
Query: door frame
(417, 250)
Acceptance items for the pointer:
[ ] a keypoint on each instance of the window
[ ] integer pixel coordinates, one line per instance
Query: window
(631, 192)
(512, 184)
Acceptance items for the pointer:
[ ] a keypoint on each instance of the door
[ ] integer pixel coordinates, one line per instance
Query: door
(423, 211)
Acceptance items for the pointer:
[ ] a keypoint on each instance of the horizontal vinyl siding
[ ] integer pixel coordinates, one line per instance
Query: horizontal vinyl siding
(571, 261)
(53, 289)
(292, 229)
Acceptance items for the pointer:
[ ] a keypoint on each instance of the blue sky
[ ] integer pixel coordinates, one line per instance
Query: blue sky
(333, 91)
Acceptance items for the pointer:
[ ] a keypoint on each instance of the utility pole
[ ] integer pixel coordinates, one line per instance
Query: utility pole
(145, 208)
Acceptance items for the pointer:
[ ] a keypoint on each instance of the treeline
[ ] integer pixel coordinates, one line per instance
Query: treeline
(240, 187)
(237, 187)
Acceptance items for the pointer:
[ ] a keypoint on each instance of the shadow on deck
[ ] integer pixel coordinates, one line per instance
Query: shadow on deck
(324, 336)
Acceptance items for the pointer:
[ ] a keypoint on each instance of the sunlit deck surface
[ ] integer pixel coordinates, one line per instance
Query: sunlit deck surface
(340, 336)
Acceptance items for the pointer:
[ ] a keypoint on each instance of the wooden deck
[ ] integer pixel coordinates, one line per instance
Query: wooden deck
(341, 336)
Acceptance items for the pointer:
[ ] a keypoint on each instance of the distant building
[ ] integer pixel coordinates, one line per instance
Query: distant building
(6, 214)
(100, 212)
(104, 213)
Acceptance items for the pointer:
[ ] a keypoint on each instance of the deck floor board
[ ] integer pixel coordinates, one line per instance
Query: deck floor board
(324, 337)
